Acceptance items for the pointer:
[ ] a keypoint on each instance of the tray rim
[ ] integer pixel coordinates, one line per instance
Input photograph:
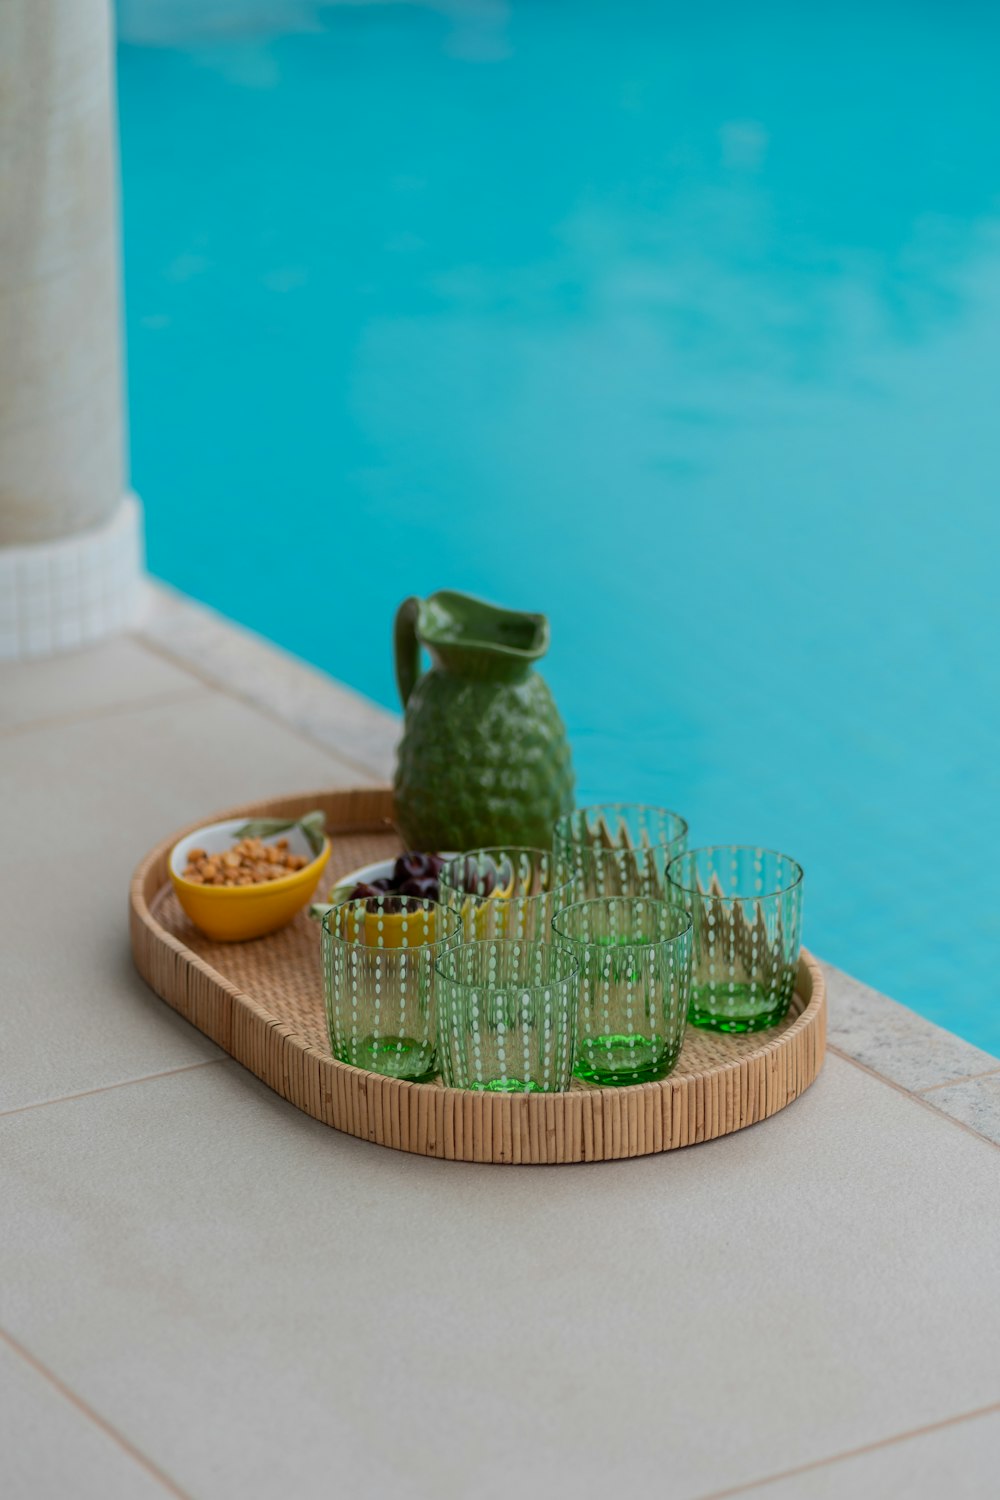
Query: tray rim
(592, 1124)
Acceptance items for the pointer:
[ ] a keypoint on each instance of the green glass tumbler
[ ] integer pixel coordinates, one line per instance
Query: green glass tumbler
(746, 906)
(506, 1016)
(635, 975)
(378, 962)
(619, 848)
(509, 892)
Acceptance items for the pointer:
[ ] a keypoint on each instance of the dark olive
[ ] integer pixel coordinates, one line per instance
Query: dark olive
(412, 866)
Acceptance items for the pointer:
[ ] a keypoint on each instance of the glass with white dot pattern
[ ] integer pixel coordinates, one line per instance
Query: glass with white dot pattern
(509, 892)
(635, 976)
(619, 848)
(506, 1014)
(378, 964)
(746, 905)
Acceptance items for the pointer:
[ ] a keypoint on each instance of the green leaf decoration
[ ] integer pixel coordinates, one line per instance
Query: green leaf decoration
(312, 824)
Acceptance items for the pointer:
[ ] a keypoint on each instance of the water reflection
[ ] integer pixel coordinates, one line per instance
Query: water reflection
(683, 326)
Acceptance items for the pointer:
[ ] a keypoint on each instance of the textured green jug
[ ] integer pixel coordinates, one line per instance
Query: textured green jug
(484, 758)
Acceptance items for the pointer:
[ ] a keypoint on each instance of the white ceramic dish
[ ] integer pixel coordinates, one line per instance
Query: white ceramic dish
(381, 870)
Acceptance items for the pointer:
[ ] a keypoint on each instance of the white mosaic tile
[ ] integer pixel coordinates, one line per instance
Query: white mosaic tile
(44, 614)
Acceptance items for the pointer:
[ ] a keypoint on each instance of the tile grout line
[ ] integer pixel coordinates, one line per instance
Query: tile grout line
(836, 1458)
(92, 1416)
(909, 1094)
(966, 1078)
(917, 1096)
(108, 711)
(156, 648)
(107, 1088)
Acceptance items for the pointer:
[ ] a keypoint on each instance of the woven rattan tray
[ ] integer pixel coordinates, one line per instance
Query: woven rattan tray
(262, 1002)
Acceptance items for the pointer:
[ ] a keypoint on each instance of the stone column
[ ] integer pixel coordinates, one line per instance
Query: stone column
(69, 531)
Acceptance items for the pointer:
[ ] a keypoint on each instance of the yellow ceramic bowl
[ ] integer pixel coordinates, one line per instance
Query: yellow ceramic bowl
(234, 913)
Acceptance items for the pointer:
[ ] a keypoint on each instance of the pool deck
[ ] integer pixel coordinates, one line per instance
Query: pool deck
(206, 1293)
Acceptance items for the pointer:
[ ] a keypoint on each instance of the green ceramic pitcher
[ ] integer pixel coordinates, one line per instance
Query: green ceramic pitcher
(484, 758)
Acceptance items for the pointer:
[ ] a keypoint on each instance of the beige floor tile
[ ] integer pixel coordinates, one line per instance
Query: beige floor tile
(86, 682)
(266, 1307)
(50, 1448)
(254, 668)
(85, 803)
(961, 1462)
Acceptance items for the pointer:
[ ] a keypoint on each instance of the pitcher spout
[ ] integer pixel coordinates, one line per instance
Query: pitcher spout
(472, 638)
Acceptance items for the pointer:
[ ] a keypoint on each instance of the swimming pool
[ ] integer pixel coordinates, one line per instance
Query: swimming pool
(680, 323)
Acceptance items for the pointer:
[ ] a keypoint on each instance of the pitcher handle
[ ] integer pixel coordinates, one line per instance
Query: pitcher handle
(407, 647)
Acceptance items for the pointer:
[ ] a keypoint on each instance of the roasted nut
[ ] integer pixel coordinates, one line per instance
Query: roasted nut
(249, 862)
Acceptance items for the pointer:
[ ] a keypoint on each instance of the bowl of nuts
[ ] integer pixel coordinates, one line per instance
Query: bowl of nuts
(238, 880)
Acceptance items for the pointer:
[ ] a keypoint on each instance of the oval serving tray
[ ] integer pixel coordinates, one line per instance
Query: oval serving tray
(262, 1002)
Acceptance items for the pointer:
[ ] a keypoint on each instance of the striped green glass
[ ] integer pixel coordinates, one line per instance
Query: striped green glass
(635, 974)
(508, 892)
(380, 981)
(746, 906)
(619, 848)
(506, 1014)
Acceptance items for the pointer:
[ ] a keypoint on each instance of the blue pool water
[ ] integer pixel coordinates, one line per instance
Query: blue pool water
(679, 322)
